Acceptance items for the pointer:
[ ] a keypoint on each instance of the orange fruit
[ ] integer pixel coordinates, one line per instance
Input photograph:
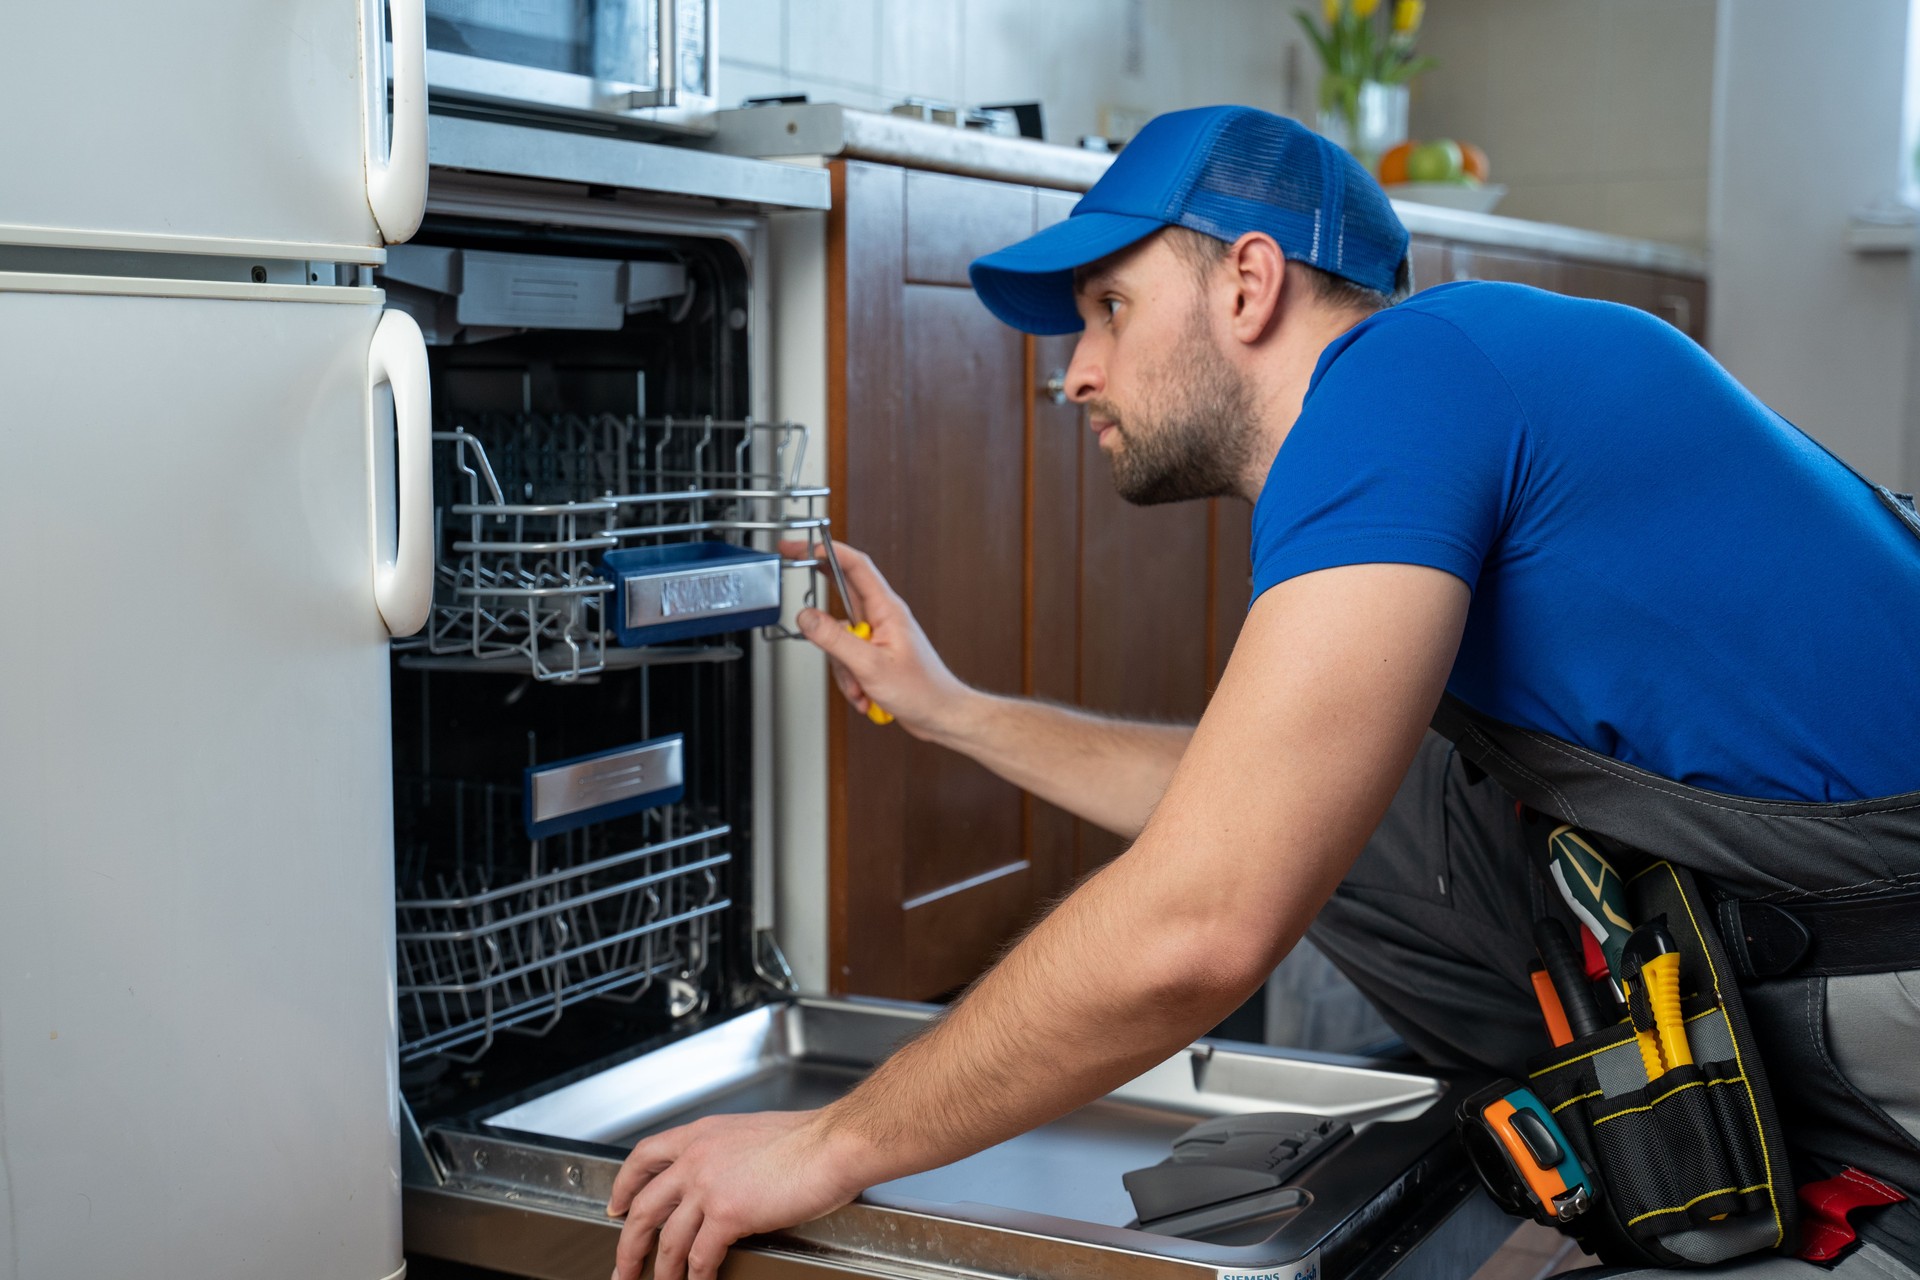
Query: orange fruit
(1473, 161)
(1393, 164)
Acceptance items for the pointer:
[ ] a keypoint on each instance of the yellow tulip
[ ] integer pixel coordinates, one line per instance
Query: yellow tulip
(1363, 9)
(1332, 11)
(1407, 15)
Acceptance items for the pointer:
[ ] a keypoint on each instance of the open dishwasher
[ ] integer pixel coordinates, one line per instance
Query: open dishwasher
(583, 949)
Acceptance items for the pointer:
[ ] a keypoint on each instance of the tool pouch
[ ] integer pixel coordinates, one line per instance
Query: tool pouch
(1687, 1169)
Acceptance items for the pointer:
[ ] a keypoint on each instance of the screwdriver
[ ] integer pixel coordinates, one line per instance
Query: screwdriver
(1593, 890)
(856, 624)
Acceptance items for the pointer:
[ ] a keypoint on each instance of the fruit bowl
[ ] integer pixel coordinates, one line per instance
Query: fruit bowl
(1448, 195)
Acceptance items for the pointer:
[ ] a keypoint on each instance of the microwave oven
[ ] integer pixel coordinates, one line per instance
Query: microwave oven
(651, 63)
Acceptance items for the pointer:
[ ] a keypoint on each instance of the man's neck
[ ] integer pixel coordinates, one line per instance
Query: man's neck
(1282, 382)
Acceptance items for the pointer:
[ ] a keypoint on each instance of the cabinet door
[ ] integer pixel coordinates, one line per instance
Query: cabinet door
(1470, 262)
(932, 865)
(1430, 262)
(992, 510)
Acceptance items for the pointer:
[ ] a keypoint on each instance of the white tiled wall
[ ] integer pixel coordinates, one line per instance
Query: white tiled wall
(1595, 113)
(1091, 62)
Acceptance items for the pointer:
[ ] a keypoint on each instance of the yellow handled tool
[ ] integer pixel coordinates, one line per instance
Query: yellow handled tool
(858, 625)
(1652, 963)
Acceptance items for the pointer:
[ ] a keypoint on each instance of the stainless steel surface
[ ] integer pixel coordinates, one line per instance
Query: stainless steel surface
(1050, 1202)
(484, 146)
(839, 576)
(520, 581)
(562, 790)
(685, 594)
(680, 47)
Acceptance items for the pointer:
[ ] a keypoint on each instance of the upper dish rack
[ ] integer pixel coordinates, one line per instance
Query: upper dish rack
(539, 499)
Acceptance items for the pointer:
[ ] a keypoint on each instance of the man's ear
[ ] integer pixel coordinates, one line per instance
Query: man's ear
(1259, 274)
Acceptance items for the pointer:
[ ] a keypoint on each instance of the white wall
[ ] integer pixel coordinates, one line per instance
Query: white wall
(1098, 65)
(1807, 127)
(1594, 113)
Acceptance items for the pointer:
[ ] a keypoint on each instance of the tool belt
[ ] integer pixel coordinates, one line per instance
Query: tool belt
(1680, 1165)
(1688, 1165)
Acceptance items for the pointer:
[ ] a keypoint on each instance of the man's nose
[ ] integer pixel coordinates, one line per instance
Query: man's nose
(1085, 377)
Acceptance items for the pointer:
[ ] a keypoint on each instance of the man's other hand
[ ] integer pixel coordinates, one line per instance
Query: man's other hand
(898, 667)
(690, 1192)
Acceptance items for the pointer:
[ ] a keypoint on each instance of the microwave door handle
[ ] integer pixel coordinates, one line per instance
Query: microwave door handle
(403, 586)
(667, 73)
(397, 186)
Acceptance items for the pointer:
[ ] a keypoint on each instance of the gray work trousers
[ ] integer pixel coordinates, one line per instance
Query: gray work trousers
(1433, 924)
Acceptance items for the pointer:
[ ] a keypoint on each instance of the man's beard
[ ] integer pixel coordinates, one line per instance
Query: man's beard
(1194, 438)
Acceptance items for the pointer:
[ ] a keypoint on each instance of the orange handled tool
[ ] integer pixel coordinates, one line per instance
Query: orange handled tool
(855, 623)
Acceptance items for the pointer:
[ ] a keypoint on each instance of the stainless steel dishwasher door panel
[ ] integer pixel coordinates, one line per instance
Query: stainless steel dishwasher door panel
(1049, 1202)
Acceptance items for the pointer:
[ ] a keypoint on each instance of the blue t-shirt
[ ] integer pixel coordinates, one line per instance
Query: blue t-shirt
(1663, 569)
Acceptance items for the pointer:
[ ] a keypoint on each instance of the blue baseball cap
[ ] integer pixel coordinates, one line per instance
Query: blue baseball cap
(1221, 171)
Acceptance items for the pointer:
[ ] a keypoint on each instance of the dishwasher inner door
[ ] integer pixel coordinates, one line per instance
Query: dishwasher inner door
(523, 1188)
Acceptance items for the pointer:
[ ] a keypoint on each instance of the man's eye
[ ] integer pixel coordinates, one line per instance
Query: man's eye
(1110, 305)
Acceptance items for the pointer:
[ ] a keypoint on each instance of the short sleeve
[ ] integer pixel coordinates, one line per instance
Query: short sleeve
(1409, 449)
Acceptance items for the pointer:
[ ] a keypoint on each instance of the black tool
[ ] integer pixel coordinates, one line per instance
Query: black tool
(1229, 1158)
(1569, 977)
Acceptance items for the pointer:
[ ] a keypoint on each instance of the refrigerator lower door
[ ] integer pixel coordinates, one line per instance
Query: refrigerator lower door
(523, 1188)
(197, 1057)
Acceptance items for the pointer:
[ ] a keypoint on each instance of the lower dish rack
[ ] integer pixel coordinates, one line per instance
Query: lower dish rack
(498, 932)
(534, 502)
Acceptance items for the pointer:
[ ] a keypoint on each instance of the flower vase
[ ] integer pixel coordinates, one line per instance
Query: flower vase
(1370, 120)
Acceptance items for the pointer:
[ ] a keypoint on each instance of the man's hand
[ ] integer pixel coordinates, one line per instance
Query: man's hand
(898, 667)
(1110, 772)
(690, 1192)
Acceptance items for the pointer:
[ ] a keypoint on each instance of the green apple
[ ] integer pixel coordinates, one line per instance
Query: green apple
(1435, 162)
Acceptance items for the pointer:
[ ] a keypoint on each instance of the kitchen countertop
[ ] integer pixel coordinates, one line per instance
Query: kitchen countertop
(826, 129)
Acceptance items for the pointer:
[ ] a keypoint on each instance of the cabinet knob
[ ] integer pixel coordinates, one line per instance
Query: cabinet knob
(1055, 387)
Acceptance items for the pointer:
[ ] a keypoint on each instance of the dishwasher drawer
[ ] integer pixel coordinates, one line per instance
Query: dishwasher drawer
(523, 1188)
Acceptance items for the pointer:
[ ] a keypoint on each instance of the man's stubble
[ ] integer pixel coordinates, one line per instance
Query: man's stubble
(1192, 435)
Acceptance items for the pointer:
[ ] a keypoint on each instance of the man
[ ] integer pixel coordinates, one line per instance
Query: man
(1560, 512)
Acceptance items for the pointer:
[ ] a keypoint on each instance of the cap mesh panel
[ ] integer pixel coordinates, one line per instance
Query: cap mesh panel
(1264, 174)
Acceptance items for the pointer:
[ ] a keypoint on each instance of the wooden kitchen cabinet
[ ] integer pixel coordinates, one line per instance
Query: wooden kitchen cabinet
(991, 509)
(1679, 300)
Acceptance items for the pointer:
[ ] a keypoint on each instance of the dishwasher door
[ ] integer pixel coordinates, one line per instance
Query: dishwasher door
(523, 1189)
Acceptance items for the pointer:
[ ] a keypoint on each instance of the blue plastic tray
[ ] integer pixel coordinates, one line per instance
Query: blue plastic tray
(688, 589)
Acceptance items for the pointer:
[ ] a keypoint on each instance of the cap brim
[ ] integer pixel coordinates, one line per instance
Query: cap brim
(1029, 285)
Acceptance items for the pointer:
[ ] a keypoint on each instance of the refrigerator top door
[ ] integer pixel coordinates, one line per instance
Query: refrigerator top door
(211, 126)
(196, 825)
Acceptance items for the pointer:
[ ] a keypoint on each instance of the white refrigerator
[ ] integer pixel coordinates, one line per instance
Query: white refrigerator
(208, 424)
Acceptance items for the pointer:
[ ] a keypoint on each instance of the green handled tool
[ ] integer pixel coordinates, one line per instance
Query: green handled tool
(1593, 890)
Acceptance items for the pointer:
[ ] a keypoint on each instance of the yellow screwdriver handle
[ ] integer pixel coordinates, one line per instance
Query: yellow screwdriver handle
(875, 712)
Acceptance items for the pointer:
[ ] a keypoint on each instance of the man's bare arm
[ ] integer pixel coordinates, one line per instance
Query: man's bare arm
(1109, 771)
(1322, 706)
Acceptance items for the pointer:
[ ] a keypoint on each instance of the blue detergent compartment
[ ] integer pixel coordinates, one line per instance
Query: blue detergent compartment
(604, 785)
(688, 589)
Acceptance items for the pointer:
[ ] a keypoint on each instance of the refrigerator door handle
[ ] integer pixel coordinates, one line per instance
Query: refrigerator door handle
(403, 587)
(397, 186)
